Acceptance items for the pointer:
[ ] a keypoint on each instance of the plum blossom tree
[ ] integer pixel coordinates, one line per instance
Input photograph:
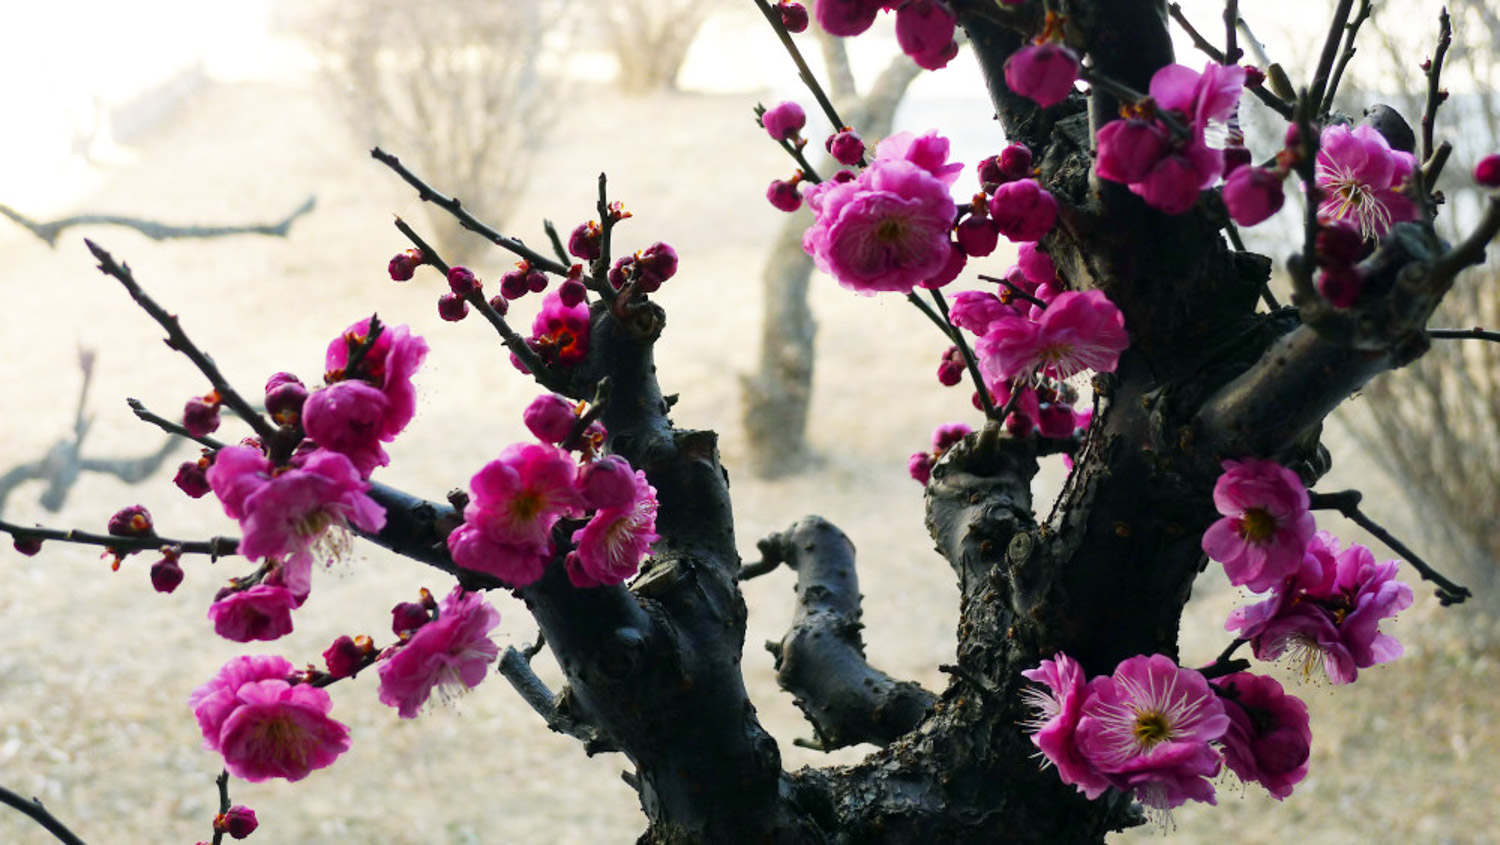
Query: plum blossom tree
(614, 525)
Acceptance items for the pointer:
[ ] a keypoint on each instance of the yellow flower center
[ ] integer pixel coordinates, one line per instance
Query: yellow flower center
(1257, 525)
(890, 230)
(1150, 728)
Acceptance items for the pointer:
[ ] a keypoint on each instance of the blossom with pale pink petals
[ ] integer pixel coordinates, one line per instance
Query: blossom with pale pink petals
(1079, 330)
(264, 726)
(451, 651)
(1266, 526)
(612, 545)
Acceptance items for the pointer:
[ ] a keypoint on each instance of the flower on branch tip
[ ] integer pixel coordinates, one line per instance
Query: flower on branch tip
(1252, 194)
(264, 726)
(166, 574)
(516, 500)
(783, 194)
(784, 120)
(451, 652)
(793, 16)
(550, 417)
(846, 17)
(345, 657)
(1266, 525)
(404, 265)
(285, 398)
(1079, 330)
(1361, 179)
(585, 241)
(388, 366)
(452, 307)
(201, 415)
(846, 147)
(924, 30)
(1044, 73)
(1023, 210)
(1148, 727)
(1269, 738)
(262, 612)
(610, 548)
(239, 822)
(560, 333)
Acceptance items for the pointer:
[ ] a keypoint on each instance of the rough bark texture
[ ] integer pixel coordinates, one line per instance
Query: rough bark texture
(654, 668)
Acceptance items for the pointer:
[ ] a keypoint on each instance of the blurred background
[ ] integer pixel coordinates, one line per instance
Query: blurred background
(194, 114)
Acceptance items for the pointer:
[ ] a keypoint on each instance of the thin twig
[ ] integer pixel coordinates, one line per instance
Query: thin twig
(1435, 94)
(1015, 290)
(1350, 32)
(557, 243)
(1346, 502)
(40, 815)
(1475, 333)
(1330, 51)
(222, 782)
(599, 270)
(774, 19)
(1232, 51)
(178, 340)
(170, 427)
(50, 231)
(454, 206)
(970, 363)
(214, 547)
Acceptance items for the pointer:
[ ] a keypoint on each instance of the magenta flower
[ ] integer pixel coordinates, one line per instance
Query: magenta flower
(919, 467)
(608, 482)
(263, 726)
(1487, 171)
(975, 310)
(517, 498)
(846, 17)
(1205, 99)
(389, 365)
(1044, 73)
(1361, 178)
(924, 29)
(1054, 725)
(977, 235)
(450, 651)
(1252, 194)
(928, 151)
(348, 417)
(1078, 331)
(1173, 183)
(238, 821)
(1036, 266)
(263, 612)
(783, 120)
(846, 147)
(611, 546)
(782, 194)
(560, 334)
(1269, 739)
(298, 512)
(1128, 149)
(550, 418)
(1023, 210)
(1266, 525)
(1148, 729)
(885, 231)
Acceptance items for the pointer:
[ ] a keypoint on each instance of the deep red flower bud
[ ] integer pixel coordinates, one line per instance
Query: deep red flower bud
(134, 521)
(977, 235)
(284, 402)
(500, 304)
(452, 307)
(166, 574)
(793, 16)
(1014, 162)
(536, 281)
(657, 263)
(585, 241)
(623, 269)
(1234, 159)
(27, 545)
(845, 147)
(404, 264)
(513, 285)
(201, 415)
(1339, 245)
(1253, 194)
(571, 292)
(343, 658)
(843, 175)
(1487, 171)
(461, 281)
(192, 479)
(1341, 286)
(239, 822)
(783, 195)
(951, 369)
(408, 616)
(1253, 76)
(784, 120)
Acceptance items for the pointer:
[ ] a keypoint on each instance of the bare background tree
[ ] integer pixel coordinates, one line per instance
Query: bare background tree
(460, 89)
(650, 39)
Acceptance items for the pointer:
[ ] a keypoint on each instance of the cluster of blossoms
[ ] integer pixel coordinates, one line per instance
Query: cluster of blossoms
(1160, 732)
(1325, 605)
(519, 498)
(924, 28)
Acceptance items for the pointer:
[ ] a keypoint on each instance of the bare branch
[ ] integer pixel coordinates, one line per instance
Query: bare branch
(1434, 71)
(41, 816)
(1346, 502)
(515, 667)
(153, 229)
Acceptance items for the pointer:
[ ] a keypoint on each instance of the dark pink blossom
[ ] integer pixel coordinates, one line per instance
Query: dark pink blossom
(919, 467)
(263, 726)
(1361, 178)
(262, 612)
(1036, 266)
(846, 147)
(1487, 171)
(1266, 526)
(166, 574)
(846, 17)
(238, 821)
(560, 333)
(655, 264)
(783, 120)
(404, 264)
(1252, 194)
(584, 241)
(291, 512)
(608, 482)
(550, 418)
(975, 310)
(389, 366)
(947, 434)
(612, 545)
(1045, 73)
(1054, 723)
(344, 658)
(1269, 738)
(200, 416)
(928, 151)
(950, 269)
(1205, 99)
(348, 417)
(977, 235)
(1148, 729)
(1341, 286)
(782, 194)
(1078, 331)
(951, 367)
(793, 16)
(516, 500)
(452, 307)
(1128, 149)
(451, 651)
(924, 30)
(285, 396)
(888, 230)
(1023, 210)
(1173, 183)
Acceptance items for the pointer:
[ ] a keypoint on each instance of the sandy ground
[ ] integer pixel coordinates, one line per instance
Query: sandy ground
(95, 668)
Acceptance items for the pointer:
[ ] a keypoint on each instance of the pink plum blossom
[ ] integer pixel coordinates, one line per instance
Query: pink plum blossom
(951, 268)
(1129, 148)
(783, 120)
(1148, 729)
(924, 29)
(977, 235)
(550, 418)
(846, 17)
(264, 726)
(293, 511)
(975, 310)
(450, 651)
(1045, 73)
(846, 147)
(888, 230)
(517, 498)
(1269, 738)
(389, 366)
(919, 467)
(263, 612)
(1054, 723)
(1023, 210)
(1252, 194)
(1487, 171)
(608, 482)
(348, 417)
(1266, 526)
(1079, 330)
(560, 333)
(1036, 266)
(782, 194)
(928, 151)
(612, 545)
(1361, 179)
